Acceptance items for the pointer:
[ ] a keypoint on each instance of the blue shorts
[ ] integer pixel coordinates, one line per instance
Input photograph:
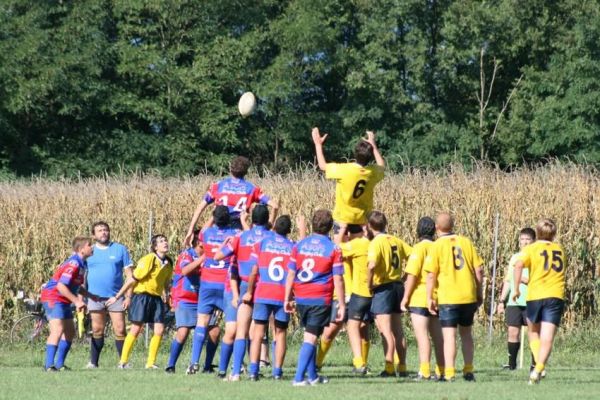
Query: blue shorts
(209, 300)
(148, 308)
(314, 318)
(59, 311)
(545, 310)
(186, 315)
(230, 310)
(387, 298)
(452, 315)
(359, 308)
(262, 312)
(424, 311)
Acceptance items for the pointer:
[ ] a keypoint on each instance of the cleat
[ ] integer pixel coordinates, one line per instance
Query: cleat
(319, 380)
(64, 368)
(301, 383)
(90, 365)
(124, 366)
(50, 369)
(170, 370)
(277, 377)
(385, 374)
(469, 377)
(446, 379)
(264, 364)
(207, 370)
(437, 378)
(232, 378)
(534, 378)
(221, 374)
(192, 369)
(420, 377)
(253, 378)
(153, 366)
(359, 371)
(403, 374)
(543, 374)
(508, 367)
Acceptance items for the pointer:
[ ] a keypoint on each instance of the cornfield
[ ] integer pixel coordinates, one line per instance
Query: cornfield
(39, 217)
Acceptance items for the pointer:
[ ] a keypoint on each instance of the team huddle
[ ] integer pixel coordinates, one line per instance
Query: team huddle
(256, 270)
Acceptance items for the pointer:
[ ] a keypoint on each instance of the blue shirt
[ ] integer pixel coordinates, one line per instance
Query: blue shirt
(105, 269)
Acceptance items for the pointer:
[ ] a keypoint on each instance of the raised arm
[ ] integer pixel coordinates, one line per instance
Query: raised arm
(190, 233)
(301, 226)
(274, 204)
(371, 140)
(318, 140)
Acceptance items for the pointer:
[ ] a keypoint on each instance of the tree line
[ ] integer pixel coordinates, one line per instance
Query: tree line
(102, 86)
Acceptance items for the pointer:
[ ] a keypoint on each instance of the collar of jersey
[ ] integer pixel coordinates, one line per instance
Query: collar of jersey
(103, 248)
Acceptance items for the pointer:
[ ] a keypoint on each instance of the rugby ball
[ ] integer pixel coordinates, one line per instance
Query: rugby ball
(247, 104)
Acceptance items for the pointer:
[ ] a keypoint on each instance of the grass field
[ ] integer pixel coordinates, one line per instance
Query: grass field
(574, 372)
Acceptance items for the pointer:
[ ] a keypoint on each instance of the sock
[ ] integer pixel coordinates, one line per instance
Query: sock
(365, 351)
(535, 348)
(277, 371)
(127, 347)
(468, 368)
(425, 370)
(401, 368)
(439, 370)
(304, 356)
(119, 340)
(389, 367)
(153, 350)
(226, 350)
(197, 342)
(358, 362)
(239, 350)
(311, 369)
(50, 353)
(513, 351)
(324, 346)
(96, 349)
(61, 354)
(176, 348)
(539, 367)
(449, 372)
(211, 350)
(273, 353)
(253, 368)
(396, 359)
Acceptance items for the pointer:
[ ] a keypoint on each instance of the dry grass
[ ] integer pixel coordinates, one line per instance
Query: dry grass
(39, 217)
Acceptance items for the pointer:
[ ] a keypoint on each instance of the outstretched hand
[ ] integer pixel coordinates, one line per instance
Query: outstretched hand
(370, 138)
(317, 138)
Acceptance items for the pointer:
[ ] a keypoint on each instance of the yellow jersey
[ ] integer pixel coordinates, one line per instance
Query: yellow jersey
(348, 273)
(546, 263)
(152, 274)
(355, 257)
(454, 259)
(387, 252)
(414, 266)
(353, 190)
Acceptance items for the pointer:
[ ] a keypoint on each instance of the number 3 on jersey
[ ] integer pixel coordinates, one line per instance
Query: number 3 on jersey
(306, 274)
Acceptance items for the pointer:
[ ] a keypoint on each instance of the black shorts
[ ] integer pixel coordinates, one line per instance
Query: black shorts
(314, 318)
(387, 298)
(516, 316)
(147, 308)
(452, 315)
(359, 308)
(424, 311)
(545, 310)
(334, 311)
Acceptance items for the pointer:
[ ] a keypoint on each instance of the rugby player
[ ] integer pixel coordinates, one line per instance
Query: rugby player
(453, 265)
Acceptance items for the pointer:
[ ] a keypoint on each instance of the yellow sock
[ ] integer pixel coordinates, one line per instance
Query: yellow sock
(439, 371)
(389, 367)
(468, 368)
(401, 368)
(153, 350)
(365, 351)
(127, 347)
(449, 372)
(534, 345)
(425, 370)
(396, 359)
(324, 346)
(358, 362)
(539, 367)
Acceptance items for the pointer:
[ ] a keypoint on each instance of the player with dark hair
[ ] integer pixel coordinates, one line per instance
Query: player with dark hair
(234, 192)
(150, 281)
(415, 301)
(515, 310)
(57, 296)
(315, 270)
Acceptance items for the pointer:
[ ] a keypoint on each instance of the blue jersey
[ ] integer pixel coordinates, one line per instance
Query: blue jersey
(213, 273)
(241, 246)
(272, 256)
(237, 194)
(105, 269)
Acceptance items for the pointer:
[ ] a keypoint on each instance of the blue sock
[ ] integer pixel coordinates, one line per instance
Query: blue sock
(176, 348)
(211, 349)
(197, 342)
(277, 371)
(253, 369)
(61, 354)
(307, 352)
(226, 350)
(239, 350)
(311, 369)
(50, 353)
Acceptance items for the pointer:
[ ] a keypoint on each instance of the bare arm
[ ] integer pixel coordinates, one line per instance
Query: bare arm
(409, 287)
(188, 237)
(301, 225)
(479, 282)
(370, 274)
(129, 284)
(339, 238)
(318, 141)
(518, 272)
(251, 282)
(66, 292)
(430, 284)
(192, 266)
(376, 154)
(338, 286)
(289, 283)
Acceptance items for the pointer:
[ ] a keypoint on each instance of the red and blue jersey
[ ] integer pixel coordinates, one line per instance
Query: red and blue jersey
(69, 273)
(184, 288)
(272, 256)
(242, 247)
(214, 273)
(315, 259)
(237, 194)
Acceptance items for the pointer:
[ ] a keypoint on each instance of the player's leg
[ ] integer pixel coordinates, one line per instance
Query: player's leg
(212, 342)
(384, 325)
(466, 315)
(513, 345)
(365, 340)
(65, 342)
(244, 319)
(229, 335)
(313, 319)
(281, 325)
(420, 325)
(260, 316)
(326, 340)
(534, 319)
(551, 313)
(435, 330)
(158, 310)
(353, 328)
(400, 343)
(98, 319)
(449, 316)
(117, 319)
(185, 320)
(56, 328)
(200, 330)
